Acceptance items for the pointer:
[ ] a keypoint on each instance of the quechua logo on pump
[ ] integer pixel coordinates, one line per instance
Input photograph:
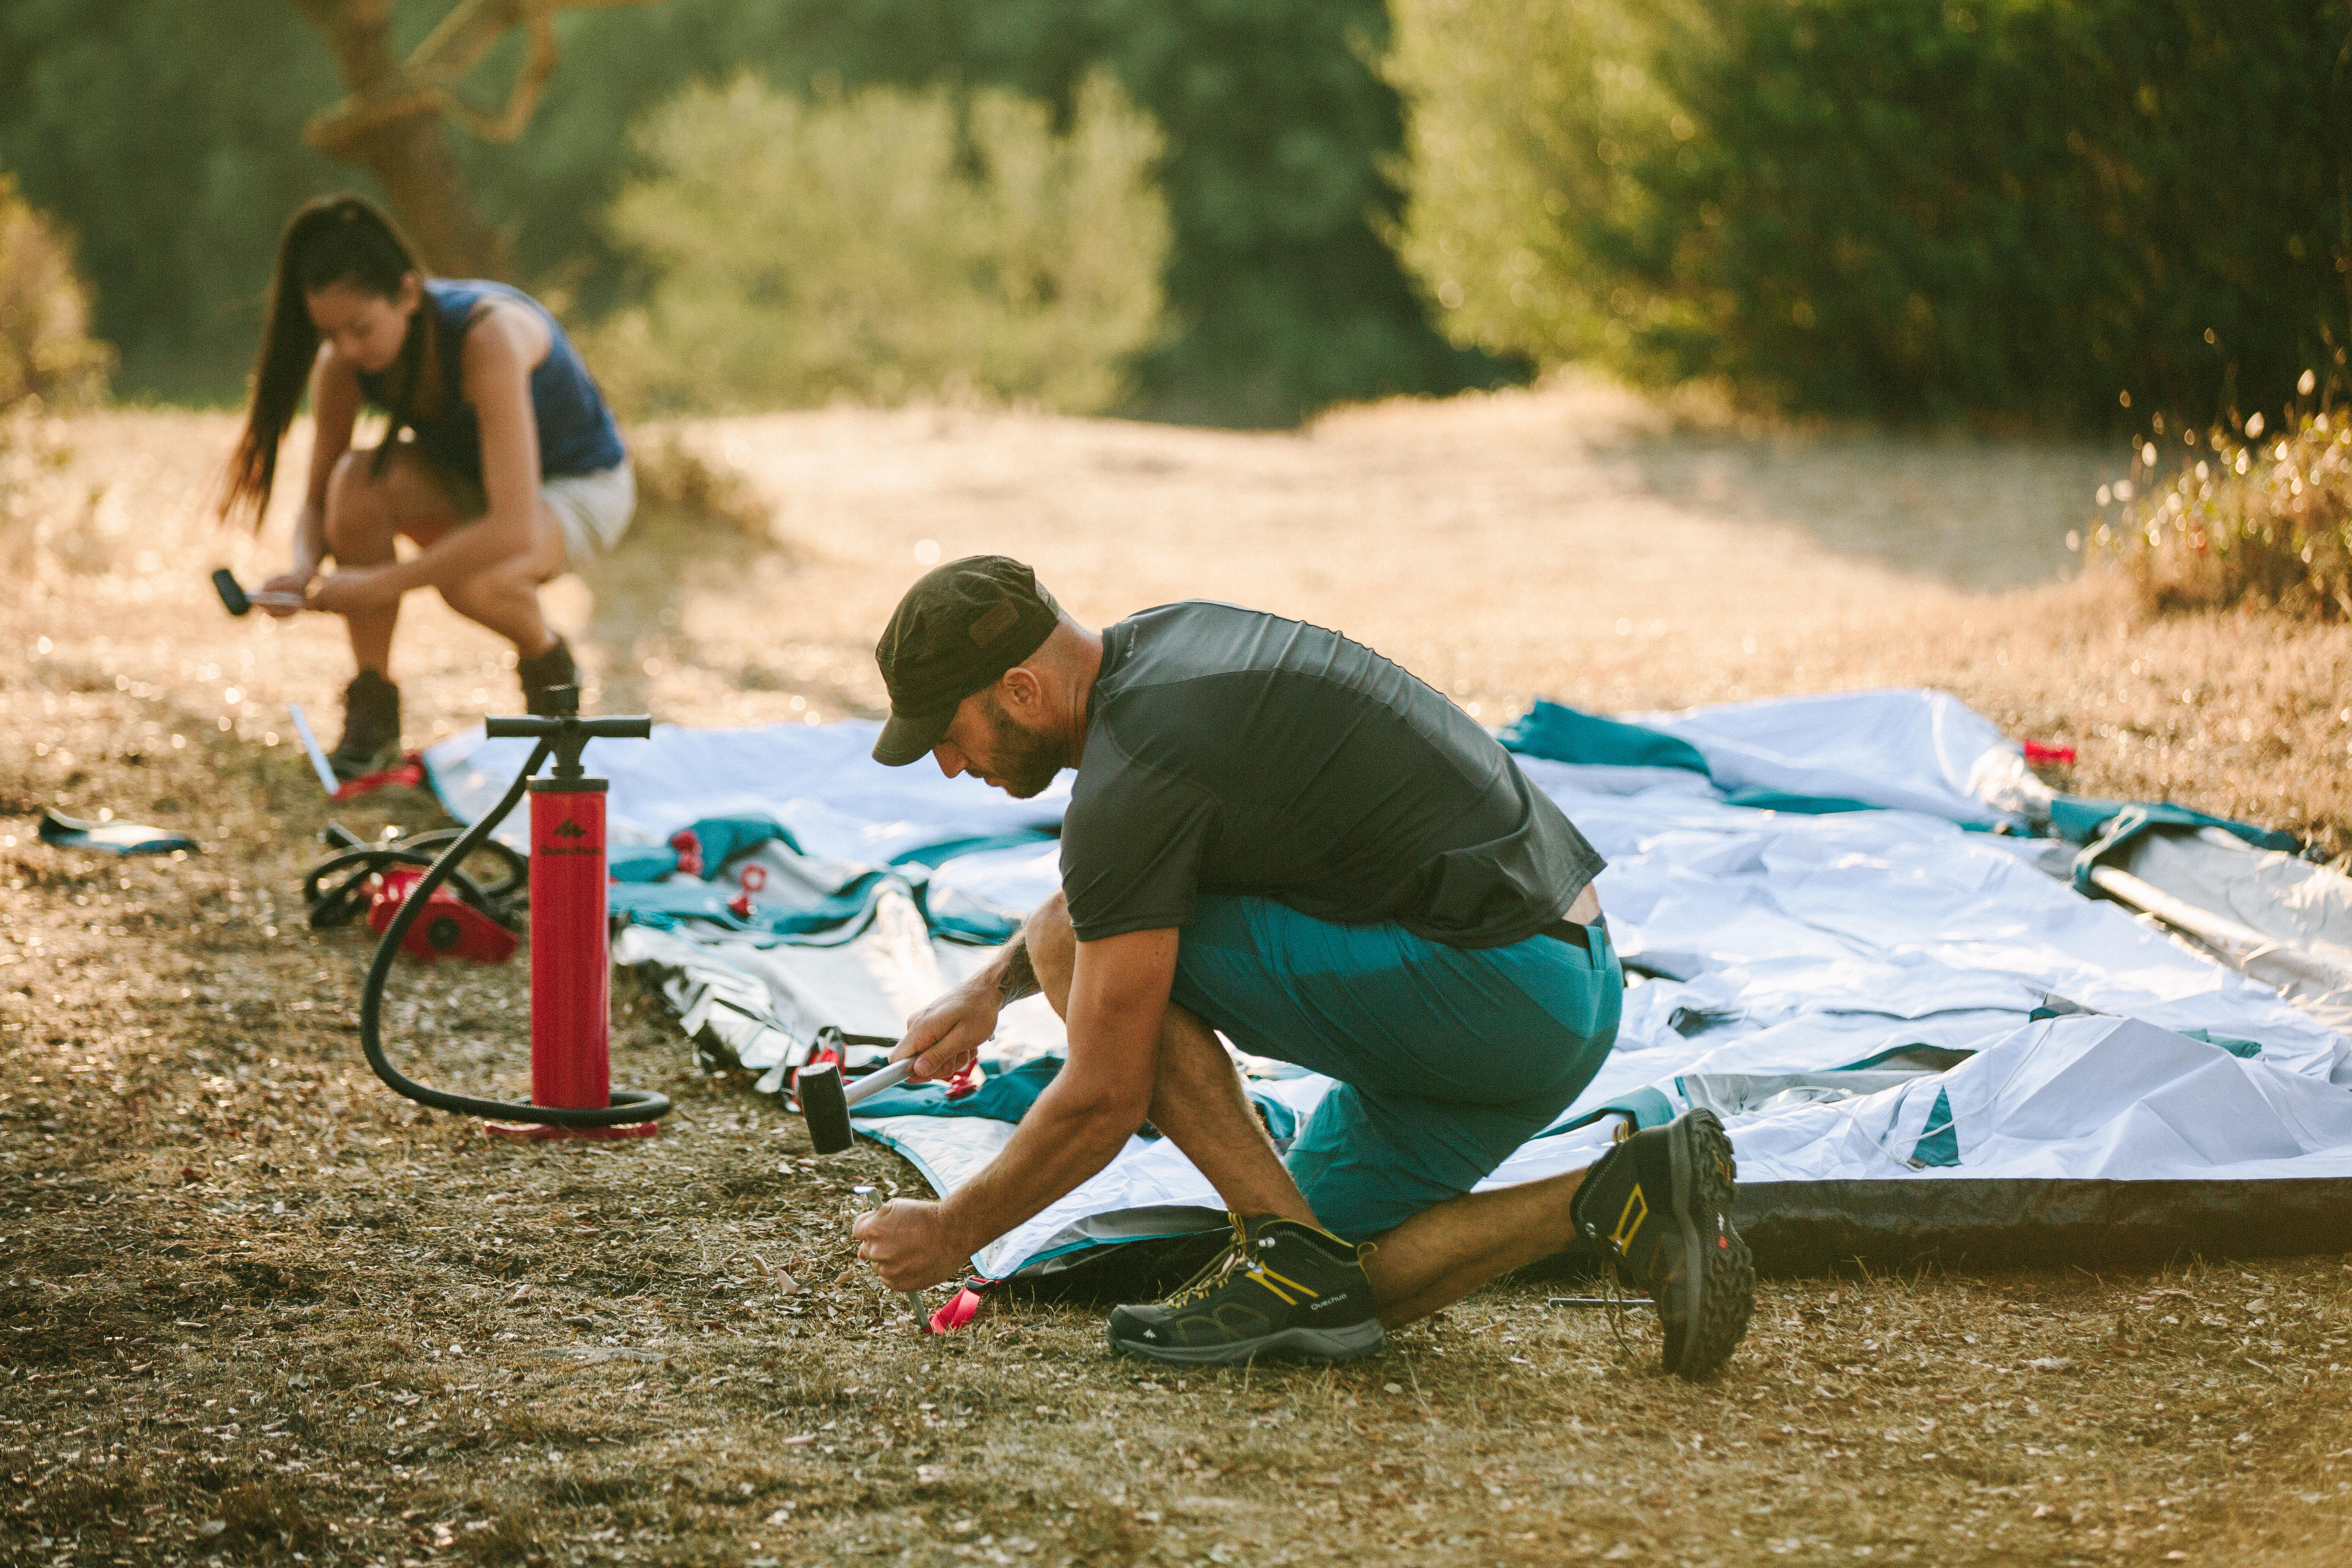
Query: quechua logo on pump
(569, 829)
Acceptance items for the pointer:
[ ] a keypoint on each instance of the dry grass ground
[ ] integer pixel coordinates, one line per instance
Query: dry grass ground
(255, 1309)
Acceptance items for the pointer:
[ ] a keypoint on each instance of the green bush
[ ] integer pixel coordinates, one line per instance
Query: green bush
(46, 350)
(169, 139)
(1999, 209)
(2265, 519)
(1283, 293)
(1527, 120)
(887, 245)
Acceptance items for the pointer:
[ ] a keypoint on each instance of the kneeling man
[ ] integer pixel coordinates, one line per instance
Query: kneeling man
(1278, 834)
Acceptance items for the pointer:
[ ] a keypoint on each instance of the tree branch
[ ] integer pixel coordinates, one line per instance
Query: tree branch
(426, 83)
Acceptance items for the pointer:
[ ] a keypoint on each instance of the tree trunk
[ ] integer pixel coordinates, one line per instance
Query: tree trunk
(407, 150)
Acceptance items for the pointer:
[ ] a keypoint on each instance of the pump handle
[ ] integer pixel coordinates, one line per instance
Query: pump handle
(629, 727)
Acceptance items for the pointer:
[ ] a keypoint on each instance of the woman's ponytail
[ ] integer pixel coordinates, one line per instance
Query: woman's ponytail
(334, 239)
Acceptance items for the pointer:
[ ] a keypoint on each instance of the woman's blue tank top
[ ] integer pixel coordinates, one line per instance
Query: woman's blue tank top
(576, 431)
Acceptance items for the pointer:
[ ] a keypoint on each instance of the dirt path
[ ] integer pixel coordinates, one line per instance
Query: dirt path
(250, 1306)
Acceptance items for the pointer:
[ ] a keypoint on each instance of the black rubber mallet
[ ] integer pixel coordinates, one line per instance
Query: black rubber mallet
(824, 1103)
(237, 601)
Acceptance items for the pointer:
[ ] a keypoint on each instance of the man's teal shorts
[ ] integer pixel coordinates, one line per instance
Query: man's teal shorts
(1448, 1058)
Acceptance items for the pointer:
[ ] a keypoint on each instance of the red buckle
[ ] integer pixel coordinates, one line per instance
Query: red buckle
(966, 1081)
(754, 879)
(960, 1309)
(2041, 756)
(407, 774)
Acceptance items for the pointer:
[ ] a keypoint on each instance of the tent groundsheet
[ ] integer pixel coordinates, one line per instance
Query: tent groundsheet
(1848, 929)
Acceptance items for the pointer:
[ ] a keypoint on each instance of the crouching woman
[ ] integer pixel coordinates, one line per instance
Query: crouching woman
(502, 461)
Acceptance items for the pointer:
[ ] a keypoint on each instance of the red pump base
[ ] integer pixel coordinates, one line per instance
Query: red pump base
(570, 962)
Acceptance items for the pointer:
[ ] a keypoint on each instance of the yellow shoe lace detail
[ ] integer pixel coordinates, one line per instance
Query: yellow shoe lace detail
(1216, 1271)
(1266, 1277)
(1239, 1258)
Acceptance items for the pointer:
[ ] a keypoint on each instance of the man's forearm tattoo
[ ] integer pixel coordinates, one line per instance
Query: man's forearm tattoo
(1019, 979)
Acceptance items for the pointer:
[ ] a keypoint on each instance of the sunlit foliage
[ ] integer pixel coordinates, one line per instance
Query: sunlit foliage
(2068, 211)
(46, 349)
(2243, 514)
(886, 244)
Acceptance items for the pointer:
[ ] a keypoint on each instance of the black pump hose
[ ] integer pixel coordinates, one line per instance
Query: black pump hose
(348, 898)
(629, 1105)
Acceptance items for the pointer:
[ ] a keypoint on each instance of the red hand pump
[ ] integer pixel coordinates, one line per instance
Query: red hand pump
(571, 968)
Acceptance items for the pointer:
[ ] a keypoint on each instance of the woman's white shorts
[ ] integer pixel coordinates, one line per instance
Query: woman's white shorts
(593, 509)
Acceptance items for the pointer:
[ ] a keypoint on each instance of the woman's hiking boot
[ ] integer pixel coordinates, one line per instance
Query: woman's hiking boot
(1660, 1202)
(371, 741)
(1280, 1289)
(542, 671)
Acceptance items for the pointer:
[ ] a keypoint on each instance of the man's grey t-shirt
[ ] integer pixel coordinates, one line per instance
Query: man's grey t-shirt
(1232, 752)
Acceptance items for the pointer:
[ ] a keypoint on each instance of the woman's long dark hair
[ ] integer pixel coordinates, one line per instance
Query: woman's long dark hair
(334, 239)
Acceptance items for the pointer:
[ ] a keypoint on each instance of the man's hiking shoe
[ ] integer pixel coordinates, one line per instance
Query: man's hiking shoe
(543, 670)
(370, 739)
(1281, 1289)
(1660, 1202)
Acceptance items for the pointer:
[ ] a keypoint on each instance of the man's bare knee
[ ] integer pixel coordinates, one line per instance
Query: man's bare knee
(1053, 949)
(1191, 1059)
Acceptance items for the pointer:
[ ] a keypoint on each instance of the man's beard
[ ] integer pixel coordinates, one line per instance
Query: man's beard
(1022, 762)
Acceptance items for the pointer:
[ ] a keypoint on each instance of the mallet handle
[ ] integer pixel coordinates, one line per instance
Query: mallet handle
(876, 1083)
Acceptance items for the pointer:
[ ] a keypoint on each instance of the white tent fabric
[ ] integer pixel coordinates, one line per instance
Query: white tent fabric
(1843, 920)
(1877, 998)
(819, 780)
(2274, 916)
(1909, 750)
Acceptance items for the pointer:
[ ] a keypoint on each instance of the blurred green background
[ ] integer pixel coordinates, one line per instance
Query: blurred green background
(1991, 212)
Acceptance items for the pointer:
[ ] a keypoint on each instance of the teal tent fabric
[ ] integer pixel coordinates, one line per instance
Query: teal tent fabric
(806, 920)
(1762, 799)
(1648, 1107)
(2245, 1050)
(1005, 1097)
(936, 855)
(644, 889)
(721, 838)
(2078, 818)
(1919, 1055)
(2081, 818)
(662, 905)
(640, 862)
(1565, 734)
(1559, 733)
(724, 838)
(1940, 1144)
